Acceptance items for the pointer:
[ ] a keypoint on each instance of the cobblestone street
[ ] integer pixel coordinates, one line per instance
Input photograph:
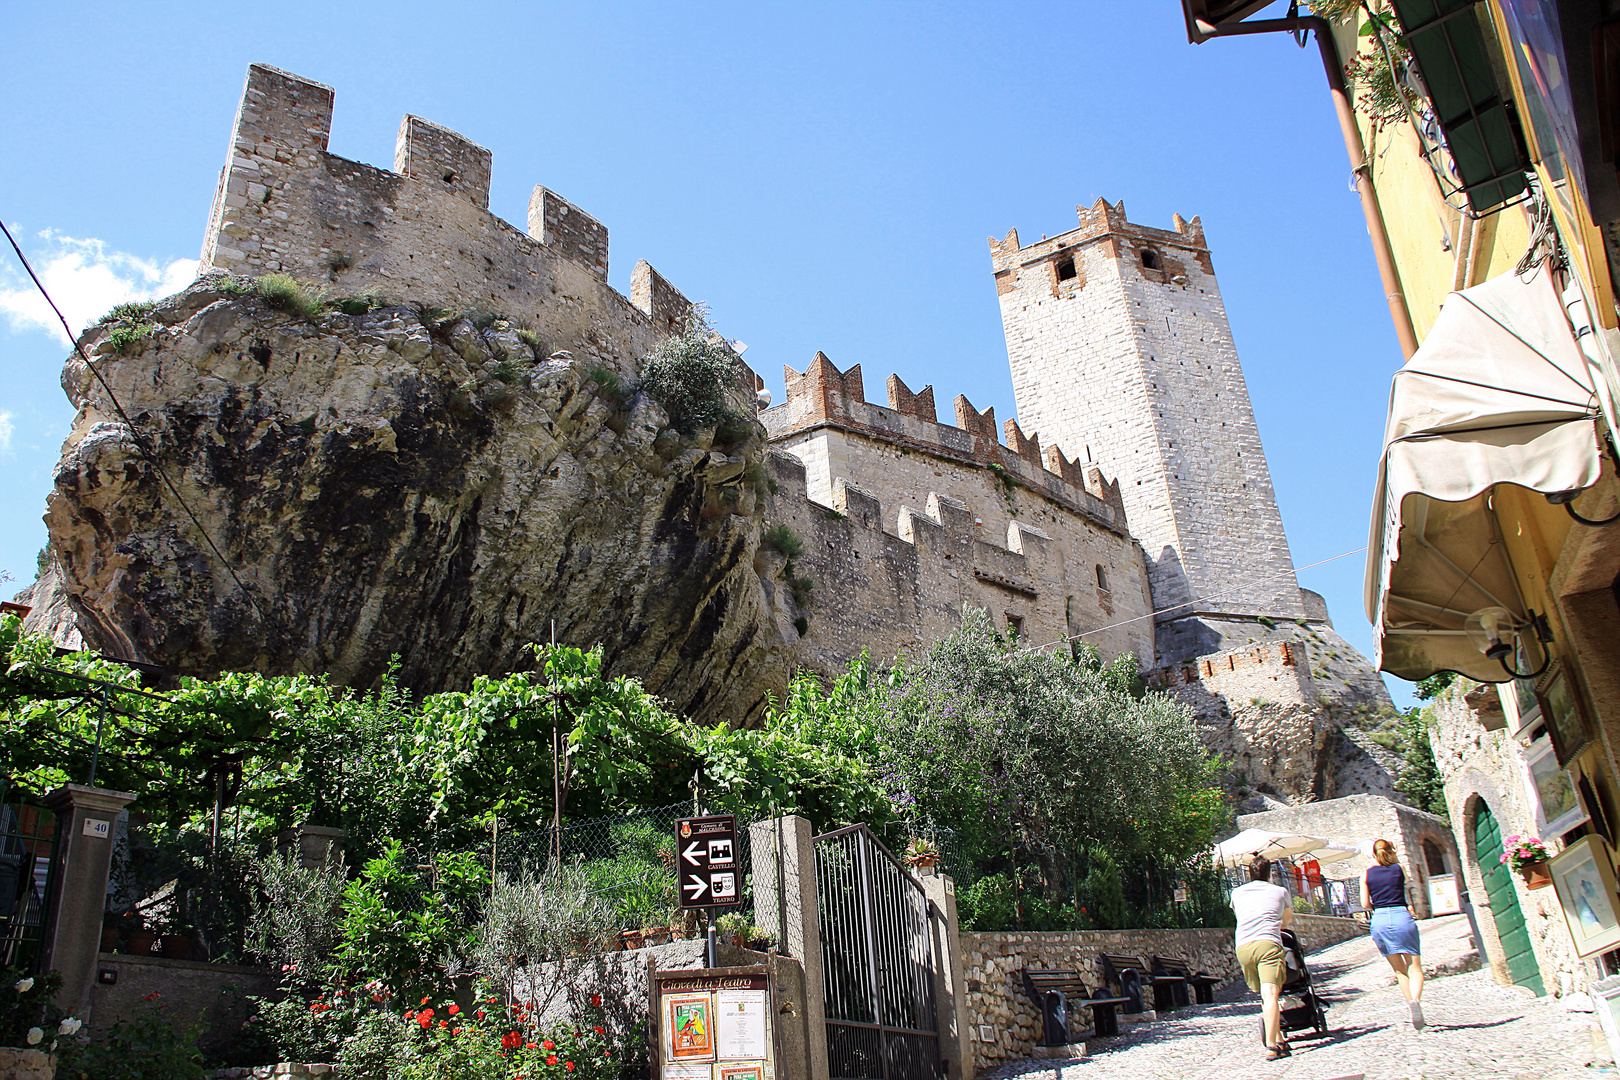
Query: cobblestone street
(1477, 1030)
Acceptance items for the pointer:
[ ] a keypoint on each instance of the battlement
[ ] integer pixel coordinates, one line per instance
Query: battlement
(901, 574)
(1105, 223)
(823, 396)
(421, 232)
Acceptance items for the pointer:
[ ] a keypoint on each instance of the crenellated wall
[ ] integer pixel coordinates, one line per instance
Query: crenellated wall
(420, 233)
(1025, 534)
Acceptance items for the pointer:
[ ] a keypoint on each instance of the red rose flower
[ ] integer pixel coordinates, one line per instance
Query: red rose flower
(444, 1023)
(551, 1059)
(569, 1065)
(530, 1046)
(596, 1001)
(479, 1014)
(549, 1045)
(453, 1010)
(599, 1029)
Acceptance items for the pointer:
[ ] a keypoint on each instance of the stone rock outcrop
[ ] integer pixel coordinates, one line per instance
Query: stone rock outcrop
(387, 484)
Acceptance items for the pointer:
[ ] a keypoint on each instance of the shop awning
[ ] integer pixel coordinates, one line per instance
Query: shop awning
(1499, 393)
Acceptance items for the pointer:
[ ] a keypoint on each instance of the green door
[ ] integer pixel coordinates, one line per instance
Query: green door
(1504, 902)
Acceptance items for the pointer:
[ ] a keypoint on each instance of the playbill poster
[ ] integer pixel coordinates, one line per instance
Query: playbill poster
(690, 1024)
(749, 1071)
(739, 1026)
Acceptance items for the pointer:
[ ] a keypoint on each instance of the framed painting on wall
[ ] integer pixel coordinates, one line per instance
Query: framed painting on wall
(1583, 874)
(1562, 715)
(1558, 806)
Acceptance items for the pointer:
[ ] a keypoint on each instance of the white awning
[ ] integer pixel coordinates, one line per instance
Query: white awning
(1273, 845)
(1499, 393)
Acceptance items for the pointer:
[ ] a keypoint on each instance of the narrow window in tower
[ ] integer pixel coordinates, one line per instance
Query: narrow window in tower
(1150, 259)
(1065, 268)
(1102, 578)
(1015, 625)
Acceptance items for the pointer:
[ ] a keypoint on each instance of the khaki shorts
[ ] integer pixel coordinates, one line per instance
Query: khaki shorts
(1263, 962)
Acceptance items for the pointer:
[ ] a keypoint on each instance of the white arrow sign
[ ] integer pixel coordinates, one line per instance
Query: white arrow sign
(692, 852)
(697, 887)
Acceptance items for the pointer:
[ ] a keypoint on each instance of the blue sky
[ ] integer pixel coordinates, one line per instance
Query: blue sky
(823, 175)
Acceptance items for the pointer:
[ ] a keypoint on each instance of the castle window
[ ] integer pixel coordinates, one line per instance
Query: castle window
(1015, 625)
(1065, 268)
(1102, 578)
(1150, 259)
(1433, 858)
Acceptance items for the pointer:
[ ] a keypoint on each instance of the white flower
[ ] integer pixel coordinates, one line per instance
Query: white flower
(34, 1035)
(69, 1026)
(23, 986)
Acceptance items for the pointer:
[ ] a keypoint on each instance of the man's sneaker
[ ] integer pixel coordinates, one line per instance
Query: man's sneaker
(1416, 1008)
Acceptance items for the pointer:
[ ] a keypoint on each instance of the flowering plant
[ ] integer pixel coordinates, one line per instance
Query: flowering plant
(1523, 851)
(25, 1008)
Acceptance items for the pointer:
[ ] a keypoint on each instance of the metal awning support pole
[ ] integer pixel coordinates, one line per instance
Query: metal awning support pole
(1382, 251)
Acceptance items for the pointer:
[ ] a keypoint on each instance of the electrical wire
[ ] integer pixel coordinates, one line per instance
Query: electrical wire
(140, 440)
(1196, 600)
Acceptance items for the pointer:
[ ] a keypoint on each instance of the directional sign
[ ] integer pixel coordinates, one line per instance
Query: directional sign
(706, 868)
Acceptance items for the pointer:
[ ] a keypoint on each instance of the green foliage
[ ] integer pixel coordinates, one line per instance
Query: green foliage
(236, 287)
(42, 560)
(1107, 891)
(509, 371)
(990, 903)
(284, 293)
(532, 340)
(126, 339)
(297, 925)
(607, 379)
(150, 1045)
(1430, 688)
(359, 304)
(561, 918)
(783, 539)
(134, 311)
(25, 1002)
(689, 375)
(408, 922)
(1419, 777)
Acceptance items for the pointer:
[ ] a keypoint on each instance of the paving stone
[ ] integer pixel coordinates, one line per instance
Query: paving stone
(1476, 1030)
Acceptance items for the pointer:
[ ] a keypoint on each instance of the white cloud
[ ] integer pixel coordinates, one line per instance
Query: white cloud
(86, 279)
(6, 430)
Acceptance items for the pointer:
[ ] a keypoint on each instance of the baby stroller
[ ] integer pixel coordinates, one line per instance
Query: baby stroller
(1308, 1009)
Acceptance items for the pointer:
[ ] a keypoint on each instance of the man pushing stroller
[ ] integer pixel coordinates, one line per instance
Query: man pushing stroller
(1263, 912)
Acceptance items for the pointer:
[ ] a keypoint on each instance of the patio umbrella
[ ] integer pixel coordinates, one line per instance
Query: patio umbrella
(1273, 845)
(1332, 853)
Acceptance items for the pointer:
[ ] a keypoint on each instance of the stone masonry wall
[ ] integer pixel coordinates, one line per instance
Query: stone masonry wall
(1006, 1026)
(1482, 767)
(997, 529)
(1133, 367)
(421, 233)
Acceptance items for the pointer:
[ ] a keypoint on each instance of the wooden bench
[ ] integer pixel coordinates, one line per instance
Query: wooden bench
(1044, 989)
(1202, 982)
(1130, 974)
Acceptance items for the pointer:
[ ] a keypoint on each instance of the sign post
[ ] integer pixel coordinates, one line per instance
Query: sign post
(714, 1025)
(706, 870)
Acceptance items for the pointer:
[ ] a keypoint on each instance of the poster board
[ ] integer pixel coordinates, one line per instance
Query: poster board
(714, 1024)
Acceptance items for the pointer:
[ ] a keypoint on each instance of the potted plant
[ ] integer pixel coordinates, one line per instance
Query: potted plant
(1528, 855)
(733, 927)
(922, 854)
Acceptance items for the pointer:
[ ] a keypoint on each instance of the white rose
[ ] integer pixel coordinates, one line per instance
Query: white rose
(34, 1035)
(69, 1026)
(23, 986)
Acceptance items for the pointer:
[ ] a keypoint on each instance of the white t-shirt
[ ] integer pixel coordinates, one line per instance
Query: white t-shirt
(1259, 906)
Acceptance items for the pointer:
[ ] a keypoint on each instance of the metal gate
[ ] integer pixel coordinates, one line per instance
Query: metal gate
(27, 879)
(877, 962)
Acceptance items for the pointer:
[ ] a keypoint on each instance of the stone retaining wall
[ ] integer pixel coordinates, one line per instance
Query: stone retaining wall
(1005, 1026)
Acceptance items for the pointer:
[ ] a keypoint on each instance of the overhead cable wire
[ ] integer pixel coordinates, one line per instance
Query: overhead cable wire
(1190, 603)
(140, 439)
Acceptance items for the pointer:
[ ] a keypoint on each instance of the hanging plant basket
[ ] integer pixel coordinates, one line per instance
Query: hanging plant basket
(1536, 875)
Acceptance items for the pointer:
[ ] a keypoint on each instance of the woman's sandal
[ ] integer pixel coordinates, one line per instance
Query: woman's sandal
(1274, 1053)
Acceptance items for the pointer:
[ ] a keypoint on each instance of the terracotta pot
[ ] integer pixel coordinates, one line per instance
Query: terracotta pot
(175, 947)
(139, 942)
(109, 939)
(1536, 875)
(631, 939)
(655, 935)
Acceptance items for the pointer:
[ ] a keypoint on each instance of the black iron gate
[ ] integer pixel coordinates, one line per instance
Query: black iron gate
(877, 962)
(27, 878)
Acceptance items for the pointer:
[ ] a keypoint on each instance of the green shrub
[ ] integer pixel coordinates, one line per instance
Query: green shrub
(608, 379)
(509, 371)
(359, 304)
(283, 293)
(1107, 891)
(689, 375)
(132, 312)
(532, 340)
(27, 1007)
(145, 1046)
(236, 287)
(784, 539)
(125, 339)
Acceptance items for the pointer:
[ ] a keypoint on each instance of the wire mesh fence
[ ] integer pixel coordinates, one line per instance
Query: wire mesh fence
(27, 877)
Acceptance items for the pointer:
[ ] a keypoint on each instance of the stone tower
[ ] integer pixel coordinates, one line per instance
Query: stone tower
(1121, 355)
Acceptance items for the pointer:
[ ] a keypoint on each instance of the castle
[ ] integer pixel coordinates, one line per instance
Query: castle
(1129, 507)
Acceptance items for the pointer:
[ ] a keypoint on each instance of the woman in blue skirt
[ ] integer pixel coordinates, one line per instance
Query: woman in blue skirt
(1394, 930)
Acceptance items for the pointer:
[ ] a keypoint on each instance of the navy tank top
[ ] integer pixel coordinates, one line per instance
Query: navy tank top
(1386, 886)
